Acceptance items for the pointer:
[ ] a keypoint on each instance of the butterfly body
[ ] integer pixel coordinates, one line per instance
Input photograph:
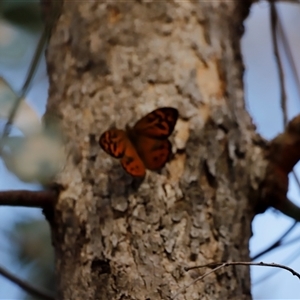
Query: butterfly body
(145, 145)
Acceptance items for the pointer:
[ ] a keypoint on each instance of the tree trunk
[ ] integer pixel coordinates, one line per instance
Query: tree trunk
(116, 237)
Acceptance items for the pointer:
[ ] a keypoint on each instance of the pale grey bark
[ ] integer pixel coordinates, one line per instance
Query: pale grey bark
(117, 238)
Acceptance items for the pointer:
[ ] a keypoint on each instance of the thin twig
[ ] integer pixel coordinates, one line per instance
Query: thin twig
(291, 241)
(288, 261)
(275, 244)
(220, 265)
(276, 23)
(286, 46)
(245, 263)
(296, 178)
(26, 85)
(52, 15)
(40, 199)
(25, 285)
(197, 279)
(274, 19)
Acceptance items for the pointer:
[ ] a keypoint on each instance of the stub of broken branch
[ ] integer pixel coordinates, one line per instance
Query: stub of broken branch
(283, 153)
(39, 199)
(284, 150)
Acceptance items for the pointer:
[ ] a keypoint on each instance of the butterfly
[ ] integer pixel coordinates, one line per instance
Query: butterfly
(145, 145)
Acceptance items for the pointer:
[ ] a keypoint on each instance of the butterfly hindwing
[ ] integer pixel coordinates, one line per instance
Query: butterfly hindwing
(158, 124)
(131, 162)
(154, 153)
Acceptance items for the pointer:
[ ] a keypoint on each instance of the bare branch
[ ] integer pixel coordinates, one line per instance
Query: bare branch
(220, 265)
(274, 24)
(288, 51)
(277, 29)
(25, 285)
(197, 279)
(276, 244)
(282, 153)
(32, 68)
(245, 263)
(51, 13)
(40, 199)
(287, 261)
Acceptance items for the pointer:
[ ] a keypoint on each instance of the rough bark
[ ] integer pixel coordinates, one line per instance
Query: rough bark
(118, 238)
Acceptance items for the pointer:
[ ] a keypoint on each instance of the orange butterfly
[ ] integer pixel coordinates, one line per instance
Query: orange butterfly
(146, 145)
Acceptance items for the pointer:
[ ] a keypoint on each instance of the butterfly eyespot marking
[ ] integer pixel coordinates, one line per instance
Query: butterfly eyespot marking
(146, 145)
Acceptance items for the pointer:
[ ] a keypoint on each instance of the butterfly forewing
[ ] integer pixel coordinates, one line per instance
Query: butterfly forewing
(158, 124)
(113, 142)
